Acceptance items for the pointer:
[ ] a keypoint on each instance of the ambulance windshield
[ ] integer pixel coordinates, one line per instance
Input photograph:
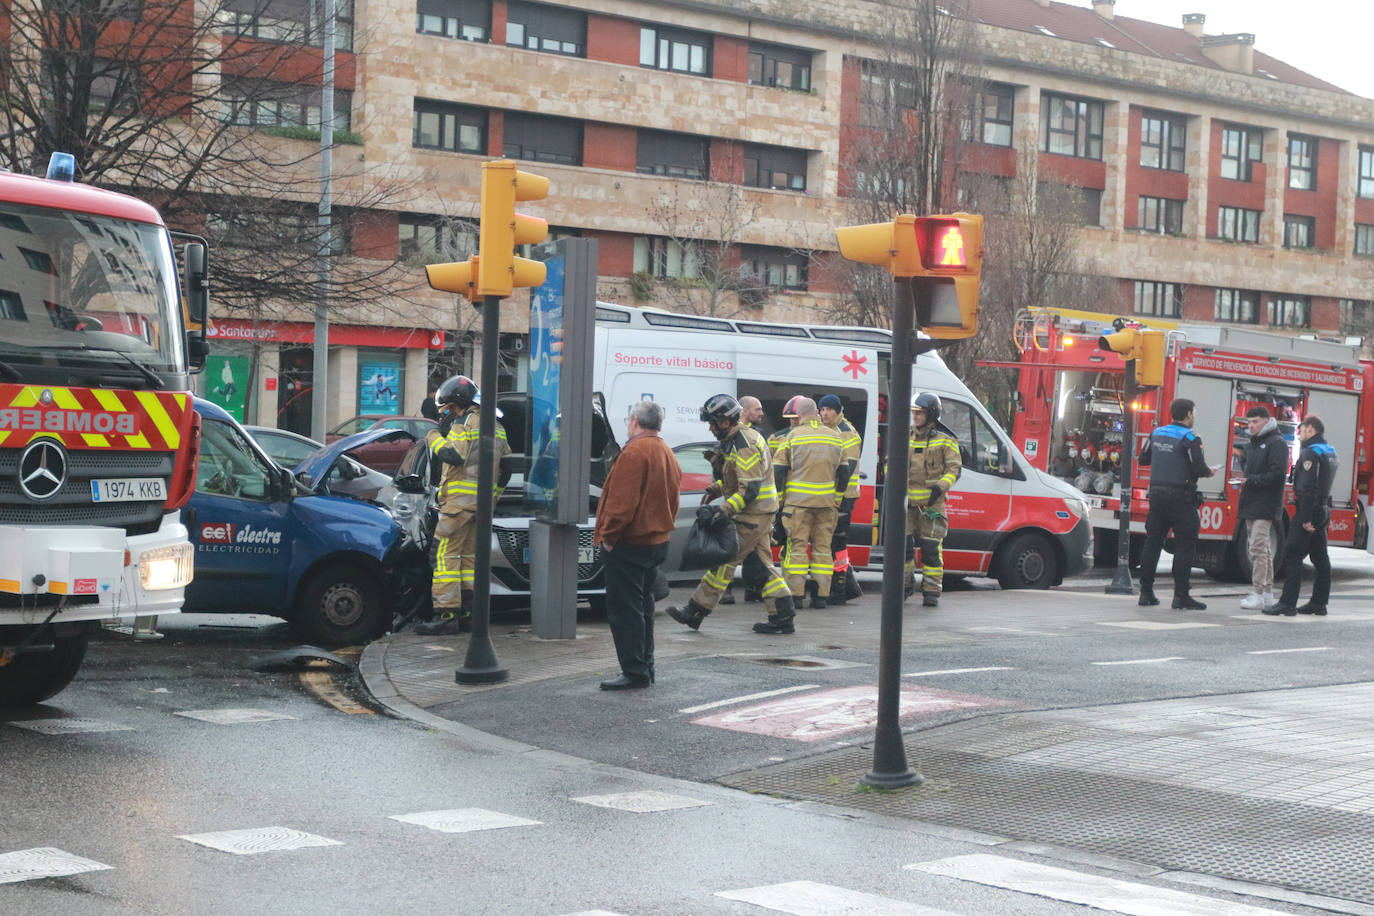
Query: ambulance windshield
(81, 291)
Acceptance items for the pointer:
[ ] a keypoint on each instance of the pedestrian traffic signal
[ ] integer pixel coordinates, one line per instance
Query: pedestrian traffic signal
(951, 252)
(455, 277)
(502, 229)
(936, 259)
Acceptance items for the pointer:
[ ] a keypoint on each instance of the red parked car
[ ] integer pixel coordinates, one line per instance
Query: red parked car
(382, 456)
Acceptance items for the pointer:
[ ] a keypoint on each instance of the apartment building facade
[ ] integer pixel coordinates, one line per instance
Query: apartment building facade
(1217, 184)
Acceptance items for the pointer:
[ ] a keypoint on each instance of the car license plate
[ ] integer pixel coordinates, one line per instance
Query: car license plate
(584, 555)
(128, 489)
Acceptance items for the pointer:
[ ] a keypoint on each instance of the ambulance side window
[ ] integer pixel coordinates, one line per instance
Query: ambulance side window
(228, 465)
(980, 448)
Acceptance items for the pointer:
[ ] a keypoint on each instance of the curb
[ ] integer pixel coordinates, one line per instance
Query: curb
(372, 671)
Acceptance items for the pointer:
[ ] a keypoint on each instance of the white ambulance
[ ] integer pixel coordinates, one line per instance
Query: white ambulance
(1008, 520)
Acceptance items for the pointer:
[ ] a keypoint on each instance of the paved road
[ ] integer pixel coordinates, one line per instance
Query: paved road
(364, 800)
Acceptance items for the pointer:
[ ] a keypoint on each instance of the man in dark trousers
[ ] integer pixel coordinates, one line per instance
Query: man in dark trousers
(1312, 477)
(634, 518)
(1173, 454)
(1264, 470)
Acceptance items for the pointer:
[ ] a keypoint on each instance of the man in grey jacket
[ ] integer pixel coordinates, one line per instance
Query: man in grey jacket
(1265, 469)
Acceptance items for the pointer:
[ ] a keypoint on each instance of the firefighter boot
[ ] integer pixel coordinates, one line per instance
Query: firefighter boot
(752, 595)
(692, 615)
(447, 622)
(851, 585)
(930, 599)
(781, 620)
(838, 595)
(465, 612)
(729, 596)
(1147, 595)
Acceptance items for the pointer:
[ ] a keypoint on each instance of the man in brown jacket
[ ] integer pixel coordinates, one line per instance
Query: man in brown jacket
(637, 512)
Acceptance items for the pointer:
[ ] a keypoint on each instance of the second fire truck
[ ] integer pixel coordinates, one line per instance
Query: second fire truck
(1071, 410)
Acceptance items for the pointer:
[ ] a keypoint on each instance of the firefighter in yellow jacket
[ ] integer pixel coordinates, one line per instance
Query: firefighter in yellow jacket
(935, 466)
(844, 586)
(809, 468)
(455, 445)
(746, 482)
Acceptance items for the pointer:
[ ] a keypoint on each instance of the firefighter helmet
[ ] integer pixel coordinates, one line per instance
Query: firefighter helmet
(458, 390)
(789, 410)
(720, 408)
(928, 402)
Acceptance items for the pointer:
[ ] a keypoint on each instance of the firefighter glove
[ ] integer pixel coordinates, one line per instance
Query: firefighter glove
(935, 494)
(445, 423)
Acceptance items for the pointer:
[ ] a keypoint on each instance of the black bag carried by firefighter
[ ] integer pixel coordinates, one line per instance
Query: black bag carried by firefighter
(713, 541)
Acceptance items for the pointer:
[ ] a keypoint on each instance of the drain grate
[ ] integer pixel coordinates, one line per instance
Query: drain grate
(68, 726)
(1302, 847)
(807, 661)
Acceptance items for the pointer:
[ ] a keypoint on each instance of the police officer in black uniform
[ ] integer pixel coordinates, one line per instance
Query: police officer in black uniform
(1174, 455)
(1312, 477)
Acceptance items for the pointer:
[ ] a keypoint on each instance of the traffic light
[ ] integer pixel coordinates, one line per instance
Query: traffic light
(1145, 346)
(1125, 340)
(455, 277)
(951, 252)
(498, 270)
(945, 251)
(1149, 368)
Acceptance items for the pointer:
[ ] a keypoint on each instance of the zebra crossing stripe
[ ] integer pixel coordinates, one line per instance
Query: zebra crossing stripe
(1097, 891)
(810, 898)
(463, 820)
(44, 862)
(256, 840)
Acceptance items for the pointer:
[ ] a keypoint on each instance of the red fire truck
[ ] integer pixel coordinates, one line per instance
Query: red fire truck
(1070, 412)
(98, 441)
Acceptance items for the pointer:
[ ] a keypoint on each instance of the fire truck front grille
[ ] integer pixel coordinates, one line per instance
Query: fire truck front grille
(73, 504)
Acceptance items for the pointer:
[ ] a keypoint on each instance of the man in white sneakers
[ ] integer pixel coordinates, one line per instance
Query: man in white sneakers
(1265, 469)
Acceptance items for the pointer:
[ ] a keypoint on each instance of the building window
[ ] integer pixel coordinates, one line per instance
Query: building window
(675, 49)
(1162, 300)
(557, 30)
(775, 167)
(1290, 311)
(40, 261)
(1237, 305)
(1298, 231)
(1355, 316)
(469, 20)
(885, 91)
(542, 139)
(1072, 126)
(115, 86)
(12, 306)
(265, 103)
(1302, 163)
(295, 21)
(457, 128)
(1163, 140)
(990, 119)
(776, 268)
(1235, 224)
(1160, 214)
(779, 67)
(1366, 172)
(674, 155)
(1364, 239)
(665, 258)
(424, 236)
(1240, 150)
(258, 228)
